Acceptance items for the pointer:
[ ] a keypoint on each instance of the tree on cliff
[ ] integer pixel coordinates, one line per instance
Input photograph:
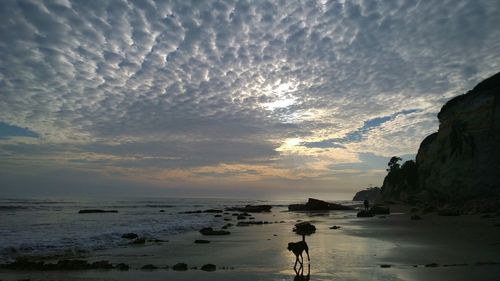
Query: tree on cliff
(393, 163)
(400, 179)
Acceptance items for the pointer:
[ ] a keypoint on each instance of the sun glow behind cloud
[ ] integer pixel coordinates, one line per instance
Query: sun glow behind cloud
(175, 95)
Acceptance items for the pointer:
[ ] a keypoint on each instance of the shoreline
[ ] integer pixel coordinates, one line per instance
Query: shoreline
(361, 249)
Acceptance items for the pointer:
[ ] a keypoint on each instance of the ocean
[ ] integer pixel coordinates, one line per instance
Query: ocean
(48, 227)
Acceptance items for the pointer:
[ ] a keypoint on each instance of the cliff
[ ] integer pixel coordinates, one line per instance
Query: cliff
(462, 160)
(370, 194)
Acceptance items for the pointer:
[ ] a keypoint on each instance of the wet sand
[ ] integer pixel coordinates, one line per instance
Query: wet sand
(390, 248)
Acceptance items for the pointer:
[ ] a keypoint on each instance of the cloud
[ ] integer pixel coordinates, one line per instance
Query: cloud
(186, 84)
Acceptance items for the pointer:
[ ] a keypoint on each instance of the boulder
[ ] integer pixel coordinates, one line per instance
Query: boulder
(211, 231)
(209, 267)
(304, 228)
(364, 214)
(122, 267)
(449, 212)
(415, 217)
(101, 265)
(72, 265)
(180, 267)
(251, 208)
(149, 267)
(130, 235)
(139, 241)
(317, 205)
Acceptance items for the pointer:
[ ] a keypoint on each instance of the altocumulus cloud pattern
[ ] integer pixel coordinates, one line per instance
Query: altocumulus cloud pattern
(230, 93)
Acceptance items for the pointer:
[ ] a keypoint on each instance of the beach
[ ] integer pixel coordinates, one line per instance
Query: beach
(389, 247)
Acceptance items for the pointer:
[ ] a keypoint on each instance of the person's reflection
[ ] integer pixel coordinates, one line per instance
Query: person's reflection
(299, 273)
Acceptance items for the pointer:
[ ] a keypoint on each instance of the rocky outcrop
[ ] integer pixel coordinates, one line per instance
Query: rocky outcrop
(461, 161)
(370, 194)
(317, 205)
(251, 208)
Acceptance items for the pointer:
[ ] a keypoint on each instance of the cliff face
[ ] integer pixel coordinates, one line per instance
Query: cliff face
(462, 160)
(370, 194)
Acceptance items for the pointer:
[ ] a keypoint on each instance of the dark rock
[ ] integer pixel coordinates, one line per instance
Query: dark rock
(210, 231)
(122, 267)
(138, 241)
(247, 223)
(432, 265)
(72, 265)
(24, 264)
(213, 211)
(251, 208)
(217, 216)
(379, 210)
(414, 210)
(191, 212)
(449, 212)
(209, 267)
(304, 228)
(162, 211)
(96, 211)
(149, 267)
(385, 265)
(101, 265)
(487, 216)
(335, 227)
(227, 225)
(201, 241)
(130, 235)
(154, 240)
(227, 219)
(429, 209)
(241, 217)
(317, 205)
(370, 194)
(180, 267)
(364, 214)
(415, 217)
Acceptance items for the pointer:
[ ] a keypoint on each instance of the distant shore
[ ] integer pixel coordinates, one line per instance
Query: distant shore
(389, 247)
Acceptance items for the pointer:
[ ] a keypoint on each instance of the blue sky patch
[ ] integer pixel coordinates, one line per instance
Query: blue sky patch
(356, 135)
(7, 131)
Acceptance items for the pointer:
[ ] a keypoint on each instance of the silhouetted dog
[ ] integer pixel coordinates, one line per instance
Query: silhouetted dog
(298, 248)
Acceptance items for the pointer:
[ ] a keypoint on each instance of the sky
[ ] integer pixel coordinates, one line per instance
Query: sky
(261, 99)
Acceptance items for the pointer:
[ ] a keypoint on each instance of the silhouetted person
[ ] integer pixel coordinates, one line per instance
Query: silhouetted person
(367, 205)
